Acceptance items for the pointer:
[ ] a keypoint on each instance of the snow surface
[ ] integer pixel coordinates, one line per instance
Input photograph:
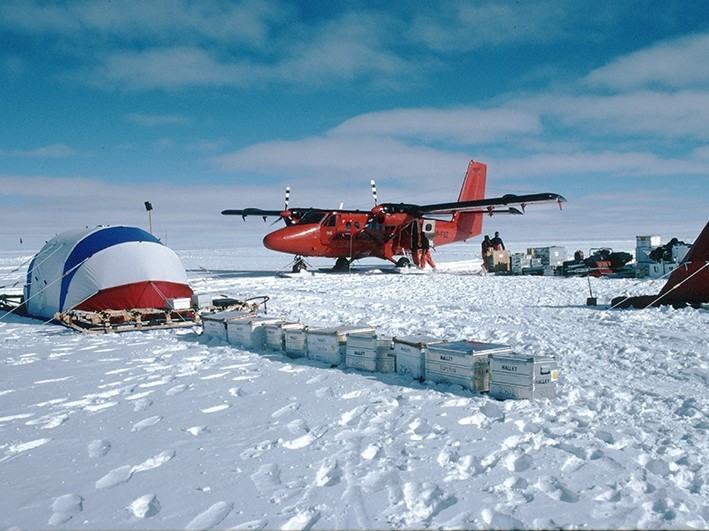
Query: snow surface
(167, 430)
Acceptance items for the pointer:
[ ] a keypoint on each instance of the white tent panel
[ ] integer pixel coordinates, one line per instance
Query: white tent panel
(125, 263)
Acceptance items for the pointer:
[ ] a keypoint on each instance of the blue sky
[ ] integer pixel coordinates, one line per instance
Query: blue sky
(201, 106)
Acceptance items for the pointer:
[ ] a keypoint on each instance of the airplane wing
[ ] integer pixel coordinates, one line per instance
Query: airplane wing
(252, 212)
(509, 204)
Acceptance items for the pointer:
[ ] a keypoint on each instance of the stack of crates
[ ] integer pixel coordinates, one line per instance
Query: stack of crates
(329, 345)
(552, 256)
(523, 377)
(249, 333)
(295, 340)
(368, 352)
(214, 324)
(519, 262)
(275, 338)
(465, 363)
(410, 354)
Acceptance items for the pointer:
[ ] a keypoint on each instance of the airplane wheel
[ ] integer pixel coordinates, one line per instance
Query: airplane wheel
(342, 264)
(403, 262)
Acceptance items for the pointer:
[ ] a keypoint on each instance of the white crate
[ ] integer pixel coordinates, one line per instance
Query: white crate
(520, 261)
(201, 300)
(523, 377)
(214, 324)
(182, 303)
(329, 345)
(367, 352)
(410, 353)
(647, 242)
(465, 363)
(553, 256)
(295, 340)
(275, 337)
(249, 333)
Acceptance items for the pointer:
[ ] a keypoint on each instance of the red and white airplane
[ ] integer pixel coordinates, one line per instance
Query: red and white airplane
(386, 230)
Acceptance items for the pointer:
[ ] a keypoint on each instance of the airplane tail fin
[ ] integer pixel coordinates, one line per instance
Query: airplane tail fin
(689, 282)
(471, 223)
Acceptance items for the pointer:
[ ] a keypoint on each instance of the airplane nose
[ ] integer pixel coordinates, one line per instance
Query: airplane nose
(292, 240)
(271, 240)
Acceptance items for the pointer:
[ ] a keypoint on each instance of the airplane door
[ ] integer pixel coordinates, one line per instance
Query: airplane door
(429, 229)
(328, 229)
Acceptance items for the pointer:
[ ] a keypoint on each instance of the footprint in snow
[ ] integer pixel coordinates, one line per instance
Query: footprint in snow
(298, 427)
(303, 520)
(98, 448)
(142, 404)
(328, 474)
(256, 450)
(324, 392)
(146, 423)
(252, 525)
(176, 390)
(65, 507)
(212, 517)
(145, 506)
(267, 478)
(285, 410)
(307, 439)
(350, 416)
(197, 430)
(215, 409)
(124, 473)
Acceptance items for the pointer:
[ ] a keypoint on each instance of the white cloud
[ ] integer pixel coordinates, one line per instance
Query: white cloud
(153, 120)
(682, 114)
(462, 125)
(339, 159)
(679, 63)
(608, 164)
(159, 21)
(465, 26)
(52, 151)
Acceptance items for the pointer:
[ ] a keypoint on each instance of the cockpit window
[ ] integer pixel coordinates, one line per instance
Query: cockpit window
(312, 217)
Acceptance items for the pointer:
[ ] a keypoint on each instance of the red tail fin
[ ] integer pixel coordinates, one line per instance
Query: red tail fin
(471, 224)
(689, 283)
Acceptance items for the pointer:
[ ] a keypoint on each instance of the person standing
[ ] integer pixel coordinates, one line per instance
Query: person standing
(497, 243)
(415, 243)
(426, 251)
(486, 251)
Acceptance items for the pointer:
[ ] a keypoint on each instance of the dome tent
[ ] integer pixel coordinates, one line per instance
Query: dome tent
(102, 268)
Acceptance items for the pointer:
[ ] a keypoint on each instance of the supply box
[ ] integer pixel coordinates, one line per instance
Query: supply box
(410, 353)
(329, 345)
(214, 324)
(275, 339)
(523, 377)
(249, 333)
(295, 340)
(183, 303)
(553, 256)
(368, 352)
(498, 261)
(466, 363)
